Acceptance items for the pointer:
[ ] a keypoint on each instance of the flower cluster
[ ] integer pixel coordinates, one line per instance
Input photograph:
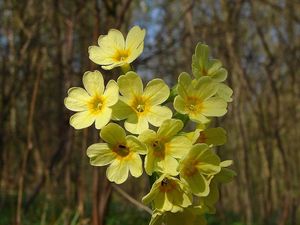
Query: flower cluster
(172, 131)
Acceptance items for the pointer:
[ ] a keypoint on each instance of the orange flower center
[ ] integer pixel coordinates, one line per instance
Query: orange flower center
(96, 104)
(121, 55)
(158, 148)
(190, 168)
(139, 105)
(193, 105)
(122, 150)
(167, 185)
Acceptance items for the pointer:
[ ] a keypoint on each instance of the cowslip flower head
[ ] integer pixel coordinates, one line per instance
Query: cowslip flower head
(196, 99)
(114, 51)
(140, 107)
(120, 152)
(202, 65)
(164, 147)
(168, 194)
(92, 104)
(192, 215)
(198, 167)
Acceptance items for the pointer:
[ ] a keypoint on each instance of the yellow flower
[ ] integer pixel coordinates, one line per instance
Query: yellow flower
(113, 51)
(198, 168)
(141, 107)
(197, 99)
(92, 104)
(120, 151)
(164, 147)
(168, 194)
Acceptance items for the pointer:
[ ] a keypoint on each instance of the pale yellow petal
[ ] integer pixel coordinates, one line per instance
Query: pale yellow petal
(214, 106)
(93, 82)
(113, 134)
(121, 111)
(135, 145)
(179, 105)
(100, 154)
(117, 171)
(111, 93)
(114, 39)
(130, 84)
(135, 165)
(77, 99)
(169, 128)
(168, 165)
(135, 38)
(158, 114)
(101, 57)
(135, 53)
(103, 118)
(179, 146)
(113, 65)
(156, 91)
(136, 125)
(82, 120)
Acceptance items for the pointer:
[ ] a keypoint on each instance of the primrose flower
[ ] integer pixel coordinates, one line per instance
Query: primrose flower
(114, 51)
(196, 99)
(140, 107)
(120, 151)
(92, 104)
(202, 65)
(164, 147)
(168, 194)
(192, 215)
(198, 167)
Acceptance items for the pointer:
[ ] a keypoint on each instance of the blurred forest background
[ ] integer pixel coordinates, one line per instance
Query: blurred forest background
(45, 176)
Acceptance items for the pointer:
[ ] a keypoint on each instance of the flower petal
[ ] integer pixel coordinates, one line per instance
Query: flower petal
(100, 154)
(184, 81)
(179, 105)
(135, 145)
(214, 106)
(156, 91)
(198, 184)
(225, 92)
(114, 40)
(113, 134)
(130, 84)
(158, 114)
(117, 171)
(101, 57)
(205, 88)
(135, 38)
(113, 65)
(77, 99)
(179, 146)
(82, 120)
(135, 53)
(169, 128)
(168, 165)
(198, 118)
(135, 165)
(136, 125)
(93, 82)
(103, 118)
(121, 111)
(111, 93)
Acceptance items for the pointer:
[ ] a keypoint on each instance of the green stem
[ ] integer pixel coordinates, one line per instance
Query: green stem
(126, 68)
